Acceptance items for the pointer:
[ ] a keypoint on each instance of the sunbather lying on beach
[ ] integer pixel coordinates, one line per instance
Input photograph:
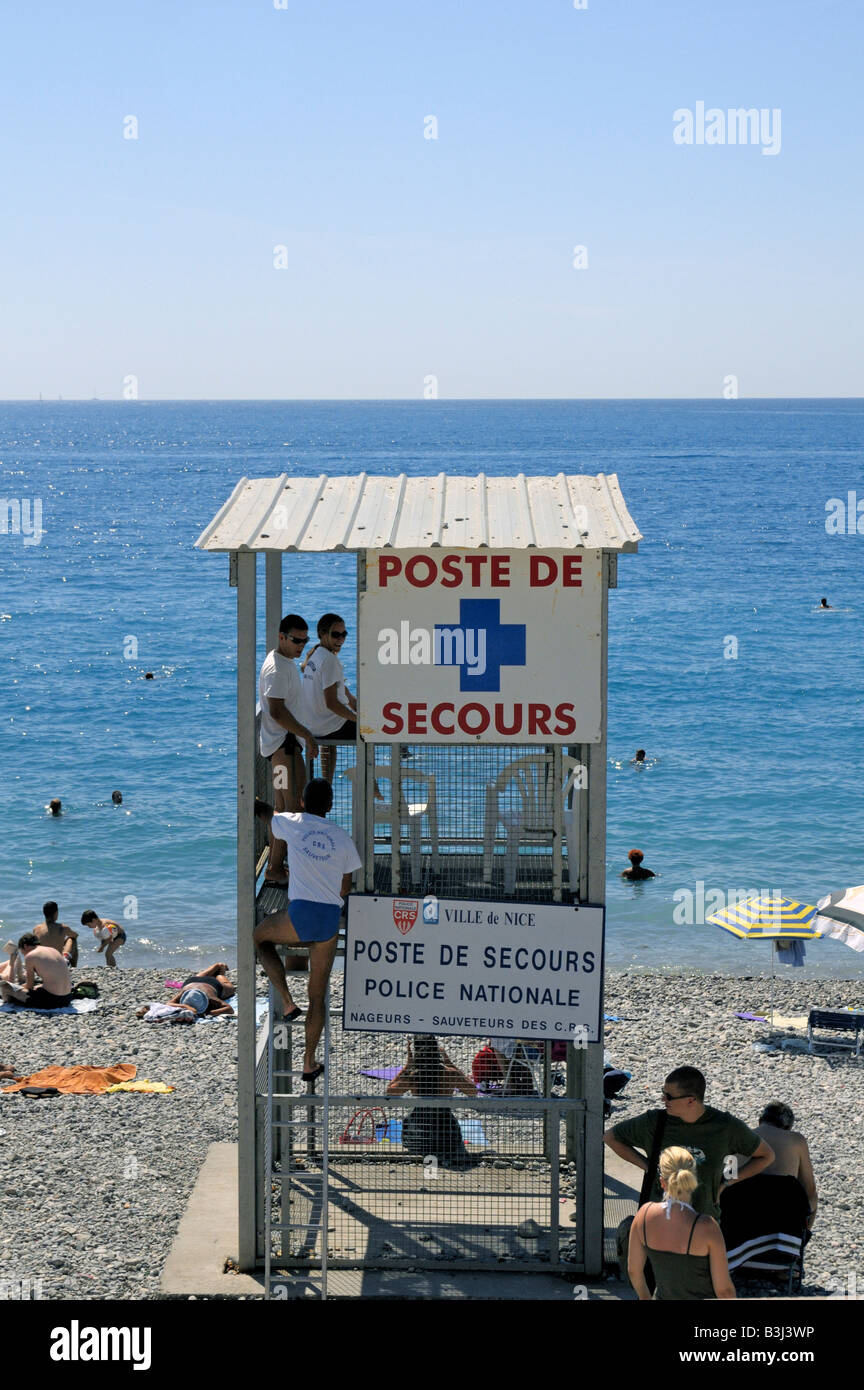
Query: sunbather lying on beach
(53, 989)
(203, 994)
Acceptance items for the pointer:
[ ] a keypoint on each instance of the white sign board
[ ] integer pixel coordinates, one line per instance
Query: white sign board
(449, 966)
(480, 645)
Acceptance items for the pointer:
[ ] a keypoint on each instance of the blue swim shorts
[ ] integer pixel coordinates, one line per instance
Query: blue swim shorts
(314, 921)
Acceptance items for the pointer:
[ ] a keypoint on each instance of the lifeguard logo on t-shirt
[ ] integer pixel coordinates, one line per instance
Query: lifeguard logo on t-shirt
(318, 844)
(405, 912)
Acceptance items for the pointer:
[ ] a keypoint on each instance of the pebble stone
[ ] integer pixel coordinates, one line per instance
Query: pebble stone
(98, 1184)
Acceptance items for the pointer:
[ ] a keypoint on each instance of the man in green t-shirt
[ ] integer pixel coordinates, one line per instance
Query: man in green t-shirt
(713, 1137)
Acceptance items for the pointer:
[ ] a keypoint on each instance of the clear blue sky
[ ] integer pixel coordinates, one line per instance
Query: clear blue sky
(411, 257)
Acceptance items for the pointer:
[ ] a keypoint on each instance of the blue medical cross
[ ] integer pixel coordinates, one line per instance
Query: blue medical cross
(505, 642)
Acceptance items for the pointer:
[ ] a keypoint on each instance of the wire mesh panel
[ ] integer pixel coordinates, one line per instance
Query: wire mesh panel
(475, 1180)
(344, 811)
(486, 1195)
(475, 821)
(486, 1178)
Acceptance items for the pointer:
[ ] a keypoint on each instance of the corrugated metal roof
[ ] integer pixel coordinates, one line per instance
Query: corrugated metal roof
(401, 513)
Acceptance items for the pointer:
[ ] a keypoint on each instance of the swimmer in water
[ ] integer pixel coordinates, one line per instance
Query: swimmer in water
(636, 871)
(639, 760)
(824, 605)
(55, 806)
(117, 798)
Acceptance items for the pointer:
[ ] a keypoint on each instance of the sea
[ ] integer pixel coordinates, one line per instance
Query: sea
(748, 699)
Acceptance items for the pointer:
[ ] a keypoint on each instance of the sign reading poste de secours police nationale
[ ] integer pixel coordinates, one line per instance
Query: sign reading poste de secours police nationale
(480, 645)
(449, 966)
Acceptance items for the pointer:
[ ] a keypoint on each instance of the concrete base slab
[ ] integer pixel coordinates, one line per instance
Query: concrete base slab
(207, 1235)
(207, 1238)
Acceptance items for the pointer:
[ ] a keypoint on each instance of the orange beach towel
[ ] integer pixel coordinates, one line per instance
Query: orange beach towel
(78, 1081)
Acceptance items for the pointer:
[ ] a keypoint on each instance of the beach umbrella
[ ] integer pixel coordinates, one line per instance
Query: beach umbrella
(768, 917)
(841, 915)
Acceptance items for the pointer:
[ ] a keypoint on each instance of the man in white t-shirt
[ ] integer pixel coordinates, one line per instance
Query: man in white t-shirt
(331, 709)
(321, 860)
(280, 694)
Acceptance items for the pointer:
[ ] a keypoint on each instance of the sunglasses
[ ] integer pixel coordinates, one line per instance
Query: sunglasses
(300, 641)
(667, 1096)
(334, 632)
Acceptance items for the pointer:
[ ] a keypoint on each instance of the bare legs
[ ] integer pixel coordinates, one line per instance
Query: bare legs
(329, 752)
(220, 968)
(13, 970)
(12, 994)
(278, 930)
(321, 957)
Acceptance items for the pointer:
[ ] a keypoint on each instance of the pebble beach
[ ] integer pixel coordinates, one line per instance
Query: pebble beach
(98, 1183)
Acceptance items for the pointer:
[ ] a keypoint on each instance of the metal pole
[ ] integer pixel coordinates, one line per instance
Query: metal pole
(552, 1119)
(268, 1145)
(244, 565)
(395, 816)
(557, 820)
(358, 800)
(272, 597)
(587, 1071)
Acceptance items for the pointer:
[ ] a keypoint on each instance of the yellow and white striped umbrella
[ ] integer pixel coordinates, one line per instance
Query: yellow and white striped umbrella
(767, 917)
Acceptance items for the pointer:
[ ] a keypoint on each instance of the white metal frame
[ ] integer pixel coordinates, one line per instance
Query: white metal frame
(584, 1066)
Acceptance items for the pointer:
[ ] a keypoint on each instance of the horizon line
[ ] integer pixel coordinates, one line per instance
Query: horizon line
(395, 400)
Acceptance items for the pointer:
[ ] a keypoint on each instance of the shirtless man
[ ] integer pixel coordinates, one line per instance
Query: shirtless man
(57, 934)
(791, 1154)
(55, 989)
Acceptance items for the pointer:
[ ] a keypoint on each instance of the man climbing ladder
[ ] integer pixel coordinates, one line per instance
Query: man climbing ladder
(321, 859)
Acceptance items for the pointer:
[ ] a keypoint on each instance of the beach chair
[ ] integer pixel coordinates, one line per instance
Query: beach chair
(508, 1075)
(522, 800)
(418, 799)
(764, 1224)
(839, 1021)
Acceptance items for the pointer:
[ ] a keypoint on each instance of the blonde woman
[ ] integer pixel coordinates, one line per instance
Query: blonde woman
(686, 1249)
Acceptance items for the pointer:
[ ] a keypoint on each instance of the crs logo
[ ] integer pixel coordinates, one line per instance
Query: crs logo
(405, 912)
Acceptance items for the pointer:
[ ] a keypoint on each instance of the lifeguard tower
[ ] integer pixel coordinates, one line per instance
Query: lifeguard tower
(478, 777)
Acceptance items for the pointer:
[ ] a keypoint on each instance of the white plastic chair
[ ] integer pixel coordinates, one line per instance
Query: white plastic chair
(411, 812)
(526, 789)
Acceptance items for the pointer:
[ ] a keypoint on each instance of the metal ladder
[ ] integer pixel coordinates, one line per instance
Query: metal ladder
(317, 1120)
